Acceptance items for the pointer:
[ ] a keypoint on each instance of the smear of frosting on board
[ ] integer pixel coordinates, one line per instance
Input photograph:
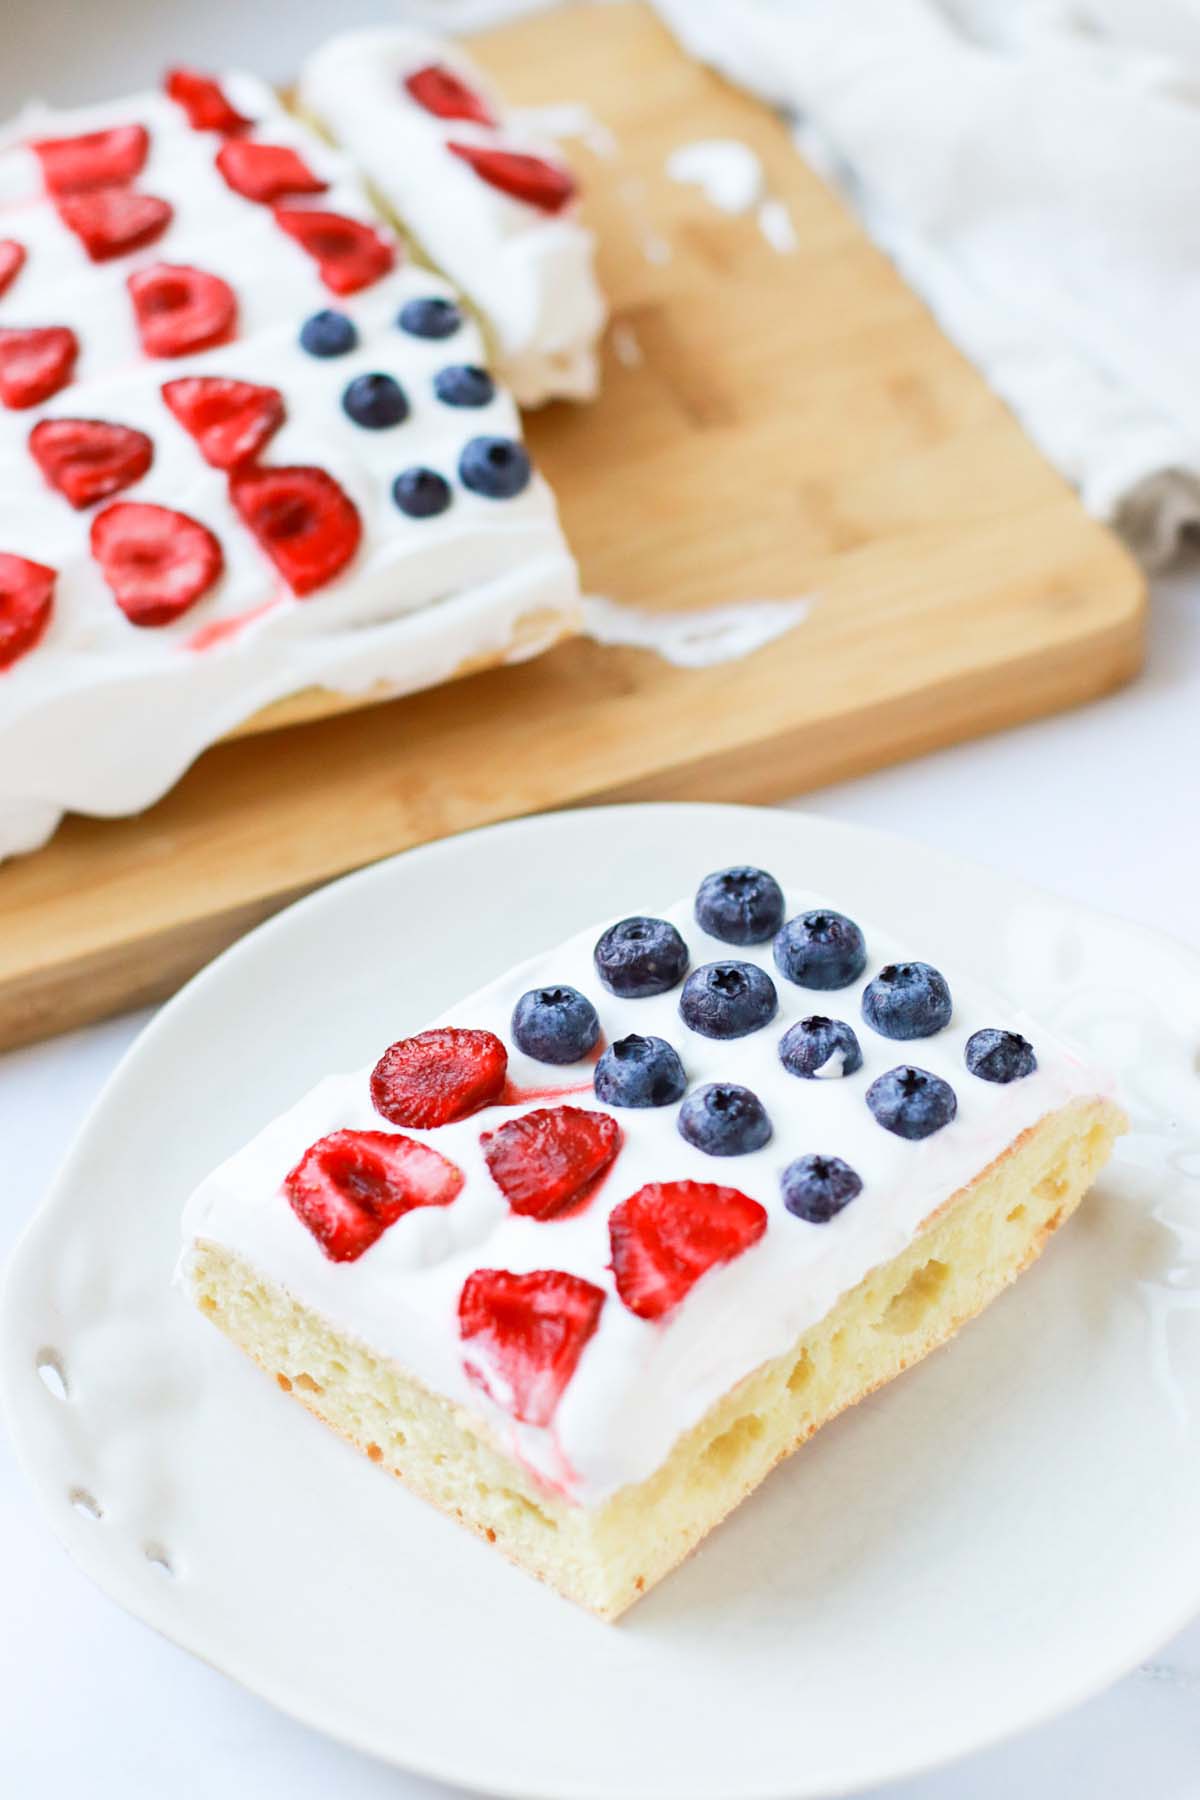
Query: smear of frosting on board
(693, 640)
(731, 177)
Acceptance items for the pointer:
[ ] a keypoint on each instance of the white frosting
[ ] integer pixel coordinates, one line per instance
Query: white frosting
(727, 171)
(529, 273)
(639, 1384)
(693, 640)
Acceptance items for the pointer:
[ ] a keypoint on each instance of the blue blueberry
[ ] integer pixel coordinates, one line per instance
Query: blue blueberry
(421, 493)
(816, 1188)
(728, 999)
(464, 384)
(1000, 1055)
(328, 333)
(638, 957)
(497, 467)
(907, 1000)
(432, 318)
(555, 1024)
(818, 1048)
(740, 906)
(821, 949)
(640, 1071)
(912, 1103)
(375, 402)
(724, 1120)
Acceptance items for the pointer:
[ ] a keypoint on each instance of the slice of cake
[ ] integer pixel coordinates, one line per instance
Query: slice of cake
(583, 1261)
(247, 448)
(486, 198)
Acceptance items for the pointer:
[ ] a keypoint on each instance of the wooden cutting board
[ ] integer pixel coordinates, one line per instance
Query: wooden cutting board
(796, 425)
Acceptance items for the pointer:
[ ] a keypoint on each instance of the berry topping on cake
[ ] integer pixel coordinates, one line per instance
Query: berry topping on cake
(438, 1076)
(728, 999)
(640, 956)
(110, 222)
(907, 1000)
(12, 261)
(348, 253)
(328, 333)
(375, 402)
(26, 603)
(550, 1158)
(229, 420)
(303, 521)
(1002, 1056)
(350, 1186)
(821, 949)
(158, 563)
(819, 1048)
(464, 384)
(528, 178)
(446, 95)
(911, 1103)
(421, 493)
(431, 318)
(97, 159)
(180, 309)
(816, 1188)
(526, 1335)
(35, 362)
(669, 1234)
(640, 1071)
(204, 102)
(266, 172)
(89, 459)
(723, 1119)
(496, 467)
(555, 1024)
(740, 905)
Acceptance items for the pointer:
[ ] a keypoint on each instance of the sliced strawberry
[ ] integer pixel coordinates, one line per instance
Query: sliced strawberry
(230, 420)
(179, 309)
(158, 563)
(12, 261)
(112, 221)
(89, 459)
(266, 171)
(438, 1076)
(26, 602)
(305, 522)
(350, 1186)
(441, 92)
(670, 1233)
(546, 1159)
(204, 103)
(97, 159)
(527, 1333)
(348, 253)
(35, 362)
(528, 178)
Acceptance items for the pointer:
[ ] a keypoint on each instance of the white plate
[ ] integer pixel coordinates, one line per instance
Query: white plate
(988, 1541)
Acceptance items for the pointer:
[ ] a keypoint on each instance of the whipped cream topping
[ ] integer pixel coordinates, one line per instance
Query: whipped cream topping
(529, 272)
(639, 1384)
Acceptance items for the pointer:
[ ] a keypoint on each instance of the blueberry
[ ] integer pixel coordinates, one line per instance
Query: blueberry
(728, 999)
(639, 956)
(375, 402)
(817, 1187)
(496, 467)
(817, 1048)
(328, 333)
(1000, 1055)
(464, 384)
(640, 1071)
(421, 493)
(907, 1000)
(912, 1102)
(740, 906)
(821, 949)
(724, 1120)
(432, 318)
(555, 1024)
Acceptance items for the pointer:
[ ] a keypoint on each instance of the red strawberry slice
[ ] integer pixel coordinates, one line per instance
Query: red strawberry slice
(89, 459)
(305, 522)
(230, 420)
(179, 309)
(204, 103)
(35, 362)
(528, 178)
(670, 1233)
(527, 1333)
(75, 165)
(158, 563)
(348, 253)
(12, 261)
(26, 602)
(438, 1076)
(546, 1159)
(441, 92)
(266, 171)
(112, 221)
(350, 1186)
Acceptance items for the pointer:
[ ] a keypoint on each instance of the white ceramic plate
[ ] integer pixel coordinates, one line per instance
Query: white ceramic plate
(988, 1541)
